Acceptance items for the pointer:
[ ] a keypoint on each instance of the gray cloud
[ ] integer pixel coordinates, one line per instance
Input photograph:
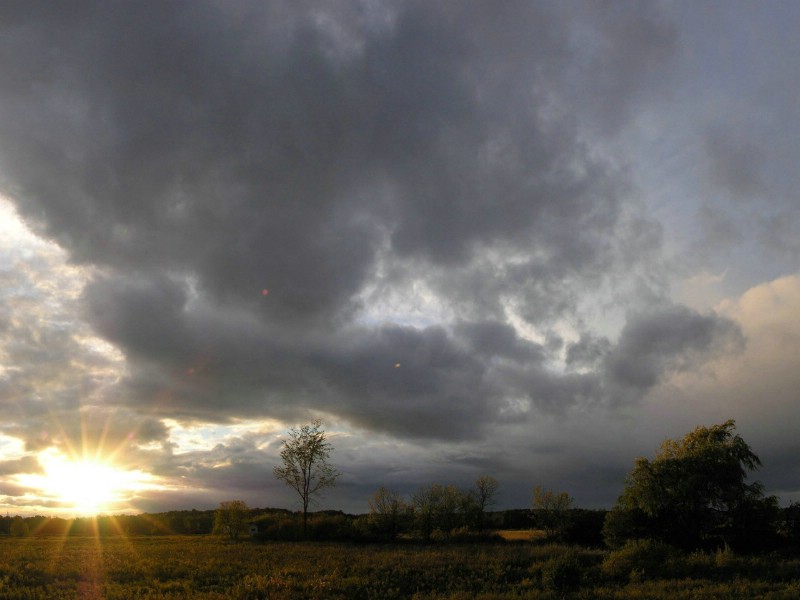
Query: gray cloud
(588, 352)
(26, 464)
(735, 164)
(628, 53)
(402, 215)
(668, 340)
(200, 160)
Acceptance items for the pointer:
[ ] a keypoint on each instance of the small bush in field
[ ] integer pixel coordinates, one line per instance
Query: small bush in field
(562, 573)
(647, 558)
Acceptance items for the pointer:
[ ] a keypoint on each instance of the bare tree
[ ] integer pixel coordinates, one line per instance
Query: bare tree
(305, 466)
(485, 492)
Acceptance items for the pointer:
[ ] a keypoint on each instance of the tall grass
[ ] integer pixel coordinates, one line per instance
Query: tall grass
(206, 567)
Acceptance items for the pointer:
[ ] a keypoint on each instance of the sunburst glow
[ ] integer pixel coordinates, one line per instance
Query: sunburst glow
(87, 486)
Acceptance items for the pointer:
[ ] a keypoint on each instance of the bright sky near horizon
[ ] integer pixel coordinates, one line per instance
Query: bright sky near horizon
(524, 239)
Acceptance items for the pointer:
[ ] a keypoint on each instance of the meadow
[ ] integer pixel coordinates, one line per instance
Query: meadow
(211, 567)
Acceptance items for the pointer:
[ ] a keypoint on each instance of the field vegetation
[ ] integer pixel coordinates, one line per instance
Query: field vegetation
(213, 567)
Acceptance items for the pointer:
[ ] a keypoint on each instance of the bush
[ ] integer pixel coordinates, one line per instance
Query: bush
(562, 573)
(640, 558)
(584, 527)
(620, 525)
(279, 528)
(326, 527)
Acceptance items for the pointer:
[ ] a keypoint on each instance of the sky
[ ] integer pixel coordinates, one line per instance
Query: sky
(522, 239)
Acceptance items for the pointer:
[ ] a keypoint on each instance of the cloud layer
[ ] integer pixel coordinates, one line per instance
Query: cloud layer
(409, 218)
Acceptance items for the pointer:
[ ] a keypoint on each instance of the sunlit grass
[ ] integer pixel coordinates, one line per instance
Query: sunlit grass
(522, 535)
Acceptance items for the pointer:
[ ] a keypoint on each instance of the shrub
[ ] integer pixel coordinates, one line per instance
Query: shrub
(645, 558)
(562, 573)
(280, 528)
(325, 527)
(584, 527)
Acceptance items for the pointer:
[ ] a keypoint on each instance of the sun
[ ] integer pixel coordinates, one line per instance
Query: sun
(87, 486)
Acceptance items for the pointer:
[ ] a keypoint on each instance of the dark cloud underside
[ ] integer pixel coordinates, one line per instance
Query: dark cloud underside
(242, 173)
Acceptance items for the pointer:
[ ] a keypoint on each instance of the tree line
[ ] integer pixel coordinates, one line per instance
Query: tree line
(694, 494)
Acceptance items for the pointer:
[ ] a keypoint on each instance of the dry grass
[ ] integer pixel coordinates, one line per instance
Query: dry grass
(521, 535)
(210, 568)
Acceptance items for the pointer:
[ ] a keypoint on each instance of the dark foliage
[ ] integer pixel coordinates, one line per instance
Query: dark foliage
(694, 495)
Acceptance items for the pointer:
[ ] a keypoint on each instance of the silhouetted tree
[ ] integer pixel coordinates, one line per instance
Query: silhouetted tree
(305, 466)
(387, 512)
(484, 495)
(551, 510)
(423, 502)
(19, 528)
(440, 508)
(694, 494)
(448, 507)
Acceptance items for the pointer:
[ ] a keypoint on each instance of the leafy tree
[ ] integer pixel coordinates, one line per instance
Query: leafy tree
(484, 494)
(305, 466)
(694, 494)
(232, 518)
(551, 510)
(19, 528)
(388, 512)
(440, 508)
(789, 526)
(424, 505)
(448, 507)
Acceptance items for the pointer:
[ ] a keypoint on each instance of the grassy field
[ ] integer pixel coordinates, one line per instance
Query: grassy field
(208, 567)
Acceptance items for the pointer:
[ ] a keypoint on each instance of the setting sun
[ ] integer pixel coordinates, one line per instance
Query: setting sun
(86, 486)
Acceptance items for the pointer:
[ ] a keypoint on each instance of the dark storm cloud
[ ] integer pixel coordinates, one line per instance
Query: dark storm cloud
(417, 383)
(493, 339)
(587, 352)
(240, 173)
(668, 340)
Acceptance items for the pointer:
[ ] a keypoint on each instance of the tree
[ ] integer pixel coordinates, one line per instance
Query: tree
(694, 494)
(551, 510)
(448, 508)
(232, 518)
(423, 502)
(388, 512)
(305, 466)
(439, 508)
(19, 528)
(484, 494)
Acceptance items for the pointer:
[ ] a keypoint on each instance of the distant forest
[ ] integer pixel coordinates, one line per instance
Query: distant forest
(271, 523)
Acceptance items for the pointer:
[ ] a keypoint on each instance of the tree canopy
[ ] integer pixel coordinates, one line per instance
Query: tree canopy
(305, 466)
(693, 493)
(232, 518)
